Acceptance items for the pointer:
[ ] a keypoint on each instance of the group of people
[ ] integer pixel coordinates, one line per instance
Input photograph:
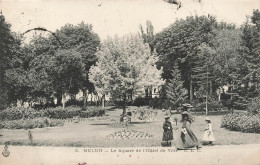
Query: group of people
(186, 138)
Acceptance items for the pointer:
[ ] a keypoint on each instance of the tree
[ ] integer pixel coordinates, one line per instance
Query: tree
(82, 39)
(175, 91)
(125, 65)
(67, 70)
(28, 75)
(181, 42)
(148, 37)
(9, 48)
(251, 44)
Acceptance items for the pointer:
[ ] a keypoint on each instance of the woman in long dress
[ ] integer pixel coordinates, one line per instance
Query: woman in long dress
(167, 132)
(187, 139)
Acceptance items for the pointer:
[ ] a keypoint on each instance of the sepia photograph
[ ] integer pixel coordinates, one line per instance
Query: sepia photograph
(130, 82)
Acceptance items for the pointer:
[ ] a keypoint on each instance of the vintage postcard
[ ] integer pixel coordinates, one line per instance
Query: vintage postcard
(129, 82)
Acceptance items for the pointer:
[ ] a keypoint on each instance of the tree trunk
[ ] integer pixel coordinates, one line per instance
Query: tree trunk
(219, 93)
(63, 101)
(210, 88)
(84, 98)
(59, 98)
(150, 92)
(103, 101)
(146, 93)
(191, 91)
(91, 99)
(124, 107)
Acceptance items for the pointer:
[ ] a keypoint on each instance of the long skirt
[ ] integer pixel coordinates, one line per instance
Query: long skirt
(167, 135)
(207, 137)
(188, 140)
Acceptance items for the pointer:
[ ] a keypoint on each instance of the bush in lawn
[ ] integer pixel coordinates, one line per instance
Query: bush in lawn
(121, 103)
(141, 102)
(241, 122)
(73, 111)
(30, 123)
(254, 106)
(92, 112)
(75, 102)
(212, 106)
(60, 113)
(16, 113)
(155, 102)
(167, 104)
(142, 113)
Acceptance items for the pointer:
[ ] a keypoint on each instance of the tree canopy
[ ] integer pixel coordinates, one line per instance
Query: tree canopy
(125, 65)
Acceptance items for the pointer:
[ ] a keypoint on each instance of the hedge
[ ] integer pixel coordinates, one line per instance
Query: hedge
(241, 122)
(212, 106)
(70, 112)
(17, 113)
(30, 123)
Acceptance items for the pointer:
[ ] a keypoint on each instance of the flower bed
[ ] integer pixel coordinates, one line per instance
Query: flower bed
(241, 122)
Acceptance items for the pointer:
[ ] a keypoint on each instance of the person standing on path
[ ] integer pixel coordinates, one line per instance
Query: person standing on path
(186, 139)
(167, 132)
(208, 136)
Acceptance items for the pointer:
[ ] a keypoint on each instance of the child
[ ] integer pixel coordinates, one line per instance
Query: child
(208, 136)
(167, 132)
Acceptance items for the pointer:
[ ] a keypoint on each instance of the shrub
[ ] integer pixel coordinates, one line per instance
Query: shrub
(254, 106)
(154, 103)
(212, 106)
(121, 103)
(60, 113)
(142, 113)
(30, 123)
(141, 102)
(241, 122)
(167, 105)
(75, 102)
(92, 112)
(17, 113)
(72, 111)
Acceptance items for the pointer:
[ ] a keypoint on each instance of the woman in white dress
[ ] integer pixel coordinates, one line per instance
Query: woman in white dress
(208, 136)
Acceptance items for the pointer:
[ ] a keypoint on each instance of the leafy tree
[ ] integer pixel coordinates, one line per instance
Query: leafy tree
(82, 39)
(67, 71)
(148, 37)
(9, 48)
(174, 89)
(181, 42)
(125, 65)
(28, 73)
(251, 51)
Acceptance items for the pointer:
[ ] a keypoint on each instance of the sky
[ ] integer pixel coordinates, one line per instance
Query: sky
(111, 17)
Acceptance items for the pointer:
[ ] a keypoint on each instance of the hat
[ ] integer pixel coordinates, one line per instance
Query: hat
(207, 119)
(167, 117)
(187, 105)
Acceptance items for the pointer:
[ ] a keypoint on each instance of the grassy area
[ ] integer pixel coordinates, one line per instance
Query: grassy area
(93, 132)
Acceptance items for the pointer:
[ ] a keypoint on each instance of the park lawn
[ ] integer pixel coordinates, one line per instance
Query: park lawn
(93, 132)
